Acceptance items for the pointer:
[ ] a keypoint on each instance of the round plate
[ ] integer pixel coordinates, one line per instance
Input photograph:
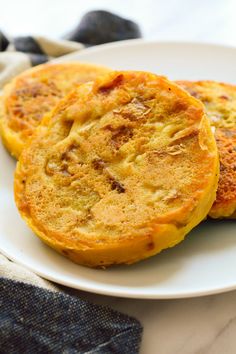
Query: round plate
(205, 263)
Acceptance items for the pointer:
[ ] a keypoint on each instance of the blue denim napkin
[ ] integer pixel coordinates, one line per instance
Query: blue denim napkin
(36, 320)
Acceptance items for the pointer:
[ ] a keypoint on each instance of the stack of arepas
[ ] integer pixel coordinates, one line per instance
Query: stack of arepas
(116, 166)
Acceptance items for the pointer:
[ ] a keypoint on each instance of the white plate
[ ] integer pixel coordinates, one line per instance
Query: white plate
(205, 263)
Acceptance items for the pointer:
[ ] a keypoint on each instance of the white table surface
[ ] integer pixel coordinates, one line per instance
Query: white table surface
(204, 325)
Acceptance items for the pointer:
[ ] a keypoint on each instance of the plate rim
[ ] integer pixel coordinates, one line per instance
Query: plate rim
(143, 41)
(121, 294)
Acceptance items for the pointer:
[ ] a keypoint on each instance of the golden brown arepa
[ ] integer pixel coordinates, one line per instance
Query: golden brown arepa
(35, 92)
(121, 169)
(220, 102)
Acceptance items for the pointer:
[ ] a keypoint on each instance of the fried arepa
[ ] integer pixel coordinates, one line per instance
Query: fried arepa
(220, 102)
(121, 169)
(33, 93)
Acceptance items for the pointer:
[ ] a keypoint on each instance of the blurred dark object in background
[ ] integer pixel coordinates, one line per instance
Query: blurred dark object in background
(37, 59)
(30, 46)
(3, 42)
(98, 27)
(27, 45)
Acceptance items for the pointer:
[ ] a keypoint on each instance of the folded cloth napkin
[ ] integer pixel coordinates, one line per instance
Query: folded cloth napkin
(35, 316)
(35, 320)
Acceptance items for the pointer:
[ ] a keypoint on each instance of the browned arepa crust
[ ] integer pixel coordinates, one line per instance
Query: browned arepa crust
(121, 169)
(220, 104)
